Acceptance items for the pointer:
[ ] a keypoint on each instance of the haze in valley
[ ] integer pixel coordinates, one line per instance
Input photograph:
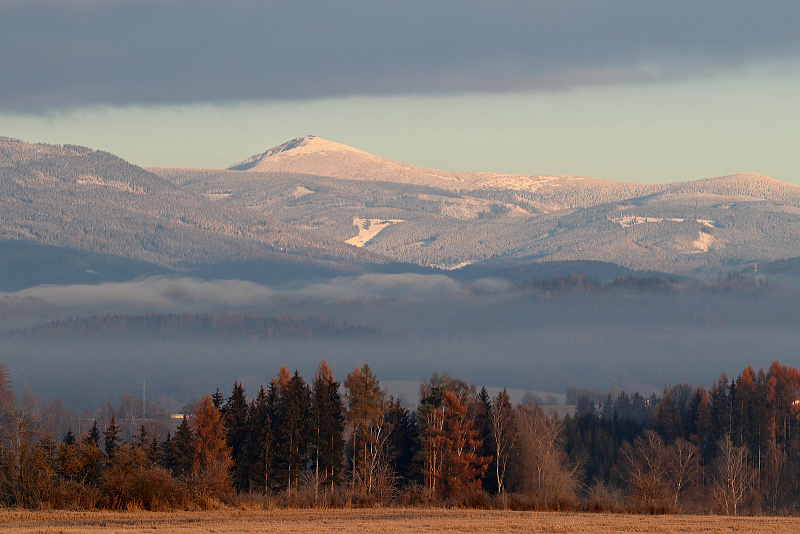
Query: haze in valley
(530, 195)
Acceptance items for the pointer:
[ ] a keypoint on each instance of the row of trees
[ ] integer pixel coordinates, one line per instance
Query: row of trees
(735, 444)
(195, 326)
(730, 449)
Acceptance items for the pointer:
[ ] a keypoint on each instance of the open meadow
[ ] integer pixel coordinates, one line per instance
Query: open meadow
(382, 520)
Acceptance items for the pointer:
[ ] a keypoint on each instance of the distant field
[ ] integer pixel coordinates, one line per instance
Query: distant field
(383, 521)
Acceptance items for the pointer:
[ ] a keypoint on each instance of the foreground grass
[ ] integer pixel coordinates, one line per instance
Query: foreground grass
(380, 520)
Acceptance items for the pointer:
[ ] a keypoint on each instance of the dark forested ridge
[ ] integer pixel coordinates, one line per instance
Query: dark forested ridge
(193, 326)
(24, 264)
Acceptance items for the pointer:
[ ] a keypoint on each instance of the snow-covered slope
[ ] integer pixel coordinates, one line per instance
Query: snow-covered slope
(449, 219)
(318, 157)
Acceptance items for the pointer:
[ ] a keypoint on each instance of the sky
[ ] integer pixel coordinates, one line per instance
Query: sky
(654, 91)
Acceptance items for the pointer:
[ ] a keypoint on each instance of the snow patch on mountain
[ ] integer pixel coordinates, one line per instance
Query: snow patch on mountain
(301, 192)
(368, 229)
(632, 220)
(703, 243)
(88, 179)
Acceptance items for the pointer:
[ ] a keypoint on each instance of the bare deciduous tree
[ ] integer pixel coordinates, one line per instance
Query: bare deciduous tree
(541, 463)
(732, 476)
(504, 433)
(25, 467)
(657, 474)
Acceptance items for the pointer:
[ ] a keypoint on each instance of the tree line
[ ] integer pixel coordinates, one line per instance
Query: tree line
(228, 326)
(733, 448)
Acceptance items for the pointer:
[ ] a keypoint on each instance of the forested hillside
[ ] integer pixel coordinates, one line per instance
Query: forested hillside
(446, 219)
(94, 203)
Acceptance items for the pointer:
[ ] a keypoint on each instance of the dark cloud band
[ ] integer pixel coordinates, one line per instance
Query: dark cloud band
(60, 54)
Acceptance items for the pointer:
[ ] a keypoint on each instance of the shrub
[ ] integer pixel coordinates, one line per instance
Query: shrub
(415, 495)
(152, 489)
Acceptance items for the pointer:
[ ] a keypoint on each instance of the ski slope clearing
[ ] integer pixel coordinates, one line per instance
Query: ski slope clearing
(368, 229)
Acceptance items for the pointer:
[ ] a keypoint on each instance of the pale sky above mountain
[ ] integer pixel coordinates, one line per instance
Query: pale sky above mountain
(622, 89)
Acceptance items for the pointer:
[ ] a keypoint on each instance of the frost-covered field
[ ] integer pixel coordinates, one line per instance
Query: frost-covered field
(384, 520)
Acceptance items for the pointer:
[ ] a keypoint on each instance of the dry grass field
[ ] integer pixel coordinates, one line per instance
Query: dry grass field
(381, 521)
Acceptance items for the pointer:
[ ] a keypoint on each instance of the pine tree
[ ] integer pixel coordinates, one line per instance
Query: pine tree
(93, 458)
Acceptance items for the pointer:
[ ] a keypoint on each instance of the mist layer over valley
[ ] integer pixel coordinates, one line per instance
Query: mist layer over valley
(540, 336)
(190, 279)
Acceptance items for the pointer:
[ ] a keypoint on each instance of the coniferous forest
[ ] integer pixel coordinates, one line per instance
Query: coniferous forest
(732, 448)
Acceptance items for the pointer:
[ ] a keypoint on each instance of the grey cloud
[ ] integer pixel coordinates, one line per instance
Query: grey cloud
(60, 54)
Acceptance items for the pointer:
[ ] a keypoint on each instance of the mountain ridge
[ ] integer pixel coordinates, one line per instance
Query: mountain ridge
(77, 198)
(333, 210)
(446, 219)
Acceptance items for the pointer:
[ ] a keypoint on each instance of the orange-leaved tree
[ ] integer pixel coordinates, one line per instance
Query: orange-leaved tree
(453, 466)
(211, 449)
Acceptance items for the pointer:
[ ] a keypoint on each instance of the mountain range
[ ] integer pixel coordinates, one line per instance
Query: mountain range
(452, 219)
(316, 208)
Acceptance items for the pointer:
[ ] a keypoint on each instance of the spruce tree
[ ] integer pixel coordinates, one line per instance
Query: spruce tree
(154, 451)
(238, 430)
(69, 438)
(218, 399)
(276, 398)
(294, 432)
(485, 427)
(260, 441)
(403, 440)
(182, 450)
(142, 441)
(93, 437)
(111, 438)
(167, 454)
(327, 424)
